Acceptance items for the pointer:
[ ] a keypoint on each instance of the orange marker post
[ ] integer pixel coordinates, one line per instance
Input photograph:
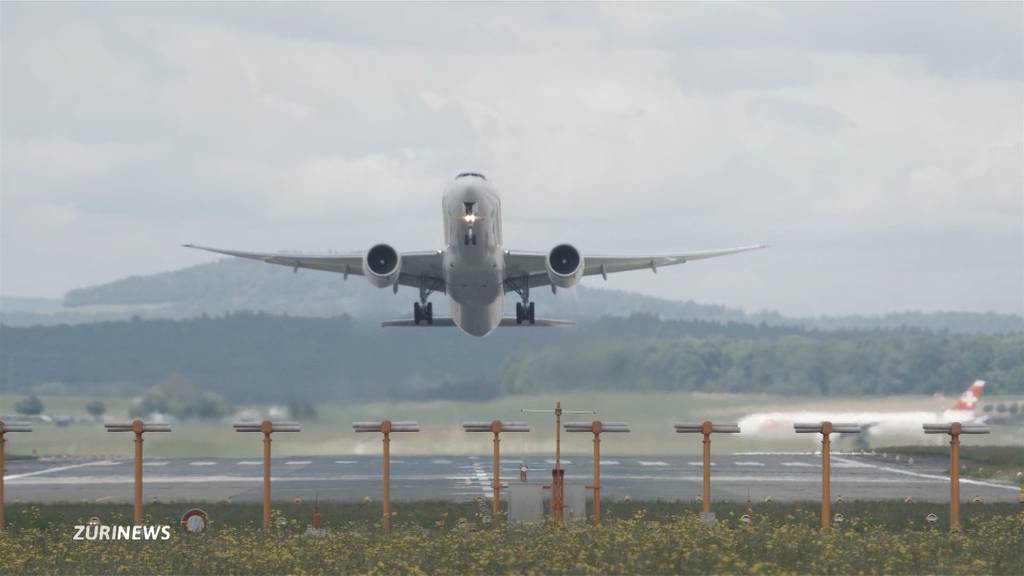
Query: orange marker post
(706, 428)
(137, 427)
(496, 427)
(386, 427)
(6, 427)
(266, 427)
(954, 430)
(596, 428)
(825, 428)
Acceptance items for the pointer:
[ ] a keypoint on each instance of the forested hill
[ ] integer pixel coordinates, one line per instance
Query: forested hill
(234, 285)
(252, 357)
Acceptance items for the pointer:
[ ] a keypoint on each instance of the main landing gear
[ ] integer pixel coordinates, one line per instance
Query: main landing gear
(423, 312)
(525, 310)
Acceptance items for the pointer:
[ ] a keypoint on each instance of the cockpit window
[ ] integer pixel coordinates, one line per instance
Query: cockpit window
(471, 174)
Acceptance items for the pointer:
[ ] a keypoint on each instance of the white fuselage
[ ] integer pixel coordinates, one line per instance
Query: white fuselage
(474, 261)
(877, 423)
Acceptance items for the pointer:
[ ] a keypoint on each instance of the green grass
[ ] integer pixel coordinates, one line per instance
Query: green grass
(650, 414)
(447, 538)
(892, 515)
(995, 462)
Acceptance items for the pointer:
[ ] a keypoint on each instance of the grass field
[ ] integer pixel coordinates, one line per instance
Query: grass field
(650, 416)
(995, 462)
(447, 538)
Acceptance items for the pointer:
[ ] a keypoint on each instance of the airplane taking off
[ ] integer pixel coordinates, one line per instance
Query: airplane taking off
(474, 269)
(873, 422)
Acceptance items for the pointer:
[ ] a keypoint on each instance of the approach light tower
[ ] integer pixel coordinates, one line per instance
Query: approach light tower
(6, 427)
(707, 428)
(596, 428)
(386, 427)
(954, 430)
(138, 427)
(825, 428)
(496, 427)
(267, 427)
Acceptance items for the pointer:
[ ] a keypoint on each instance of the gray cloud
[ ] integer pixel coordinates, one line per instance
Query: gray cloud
(878, 146)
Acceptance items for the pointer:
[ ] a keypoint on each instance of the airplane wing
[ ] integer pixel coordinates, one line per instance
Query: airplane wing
(445, 321)
(531, 264)
(418, 268)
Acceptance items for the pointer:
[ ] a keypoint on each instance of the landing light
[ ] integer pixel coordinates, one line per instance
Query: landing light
(470, 218)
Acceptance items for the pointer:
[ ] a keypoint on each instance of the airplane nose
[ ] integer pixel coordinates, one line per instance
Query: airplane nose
(470, 195)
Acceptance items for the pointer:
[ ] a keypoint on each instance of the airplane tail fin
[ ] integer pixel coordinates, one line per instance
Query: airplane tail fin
(969, 399)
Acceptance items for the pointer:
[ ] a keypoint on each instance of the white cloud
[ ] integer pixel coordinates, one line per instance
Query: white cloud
(879, 157)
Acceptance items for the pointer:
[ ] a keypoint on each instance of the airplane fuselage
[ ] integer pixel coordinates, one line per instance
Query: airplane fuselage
(474, 261)
(474, 268)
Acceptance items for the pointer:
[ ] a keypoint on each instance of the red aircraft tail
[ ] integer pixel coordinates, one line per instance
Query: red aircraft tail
(969, 399)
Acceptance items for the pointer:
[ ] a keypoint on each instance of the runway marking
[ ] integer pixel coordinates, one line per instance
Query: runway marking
(154, 463)
(298, 462)
(398, 462)
(844, 463)
(609, 462)
(440, 461)
(223, 478)
(745, 463)
(249, 463)
(346, 461)
(652, 463)
(60, 469)
(563, 461)
(698, 463)
(202, 463)
(799, 464)
(483, 480)
(931, 476)
(806, 453)
(809, 479)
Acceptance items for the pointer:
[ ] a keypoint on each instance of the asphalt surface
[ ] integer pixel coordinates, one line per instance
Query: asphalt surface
(782, 476)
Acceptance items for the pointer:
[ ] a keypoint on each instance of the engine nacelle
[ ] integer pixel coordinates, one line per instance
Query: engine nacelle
(565, 265)
(381, 265)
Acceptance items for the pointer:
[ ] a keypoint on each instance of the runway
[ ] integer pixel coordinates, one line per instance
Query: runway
(782, 476)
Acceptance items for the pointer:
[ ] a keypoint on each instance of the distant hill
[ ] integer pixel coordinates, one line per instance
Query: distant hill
(234, 285)
(17, 304)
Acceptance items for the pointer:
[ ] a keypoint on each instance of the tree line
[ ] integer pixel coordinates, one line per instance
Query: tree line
(254, 357)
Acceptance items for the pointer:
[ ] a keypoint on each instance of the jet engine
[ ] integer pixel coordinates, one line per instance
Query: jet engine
(381, 265)
(565, 266)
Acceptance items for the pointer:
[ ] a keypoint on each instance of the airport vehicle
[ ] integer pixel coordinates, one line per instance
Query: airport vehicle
(474, 268)
(875, 423)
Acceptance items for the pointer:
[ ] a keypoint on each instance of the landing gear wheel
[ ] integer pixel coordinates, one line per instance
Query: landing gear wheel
(530, 313)
(520, 313)
(428, 314)
(417, 313)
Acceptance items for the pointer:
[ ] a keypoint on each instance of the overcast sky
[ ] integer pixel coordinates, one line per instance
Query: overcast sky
(879, 148)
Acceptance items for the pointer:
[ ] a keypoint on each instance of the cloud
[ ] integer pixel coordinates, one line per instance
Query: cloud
(875, 146)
